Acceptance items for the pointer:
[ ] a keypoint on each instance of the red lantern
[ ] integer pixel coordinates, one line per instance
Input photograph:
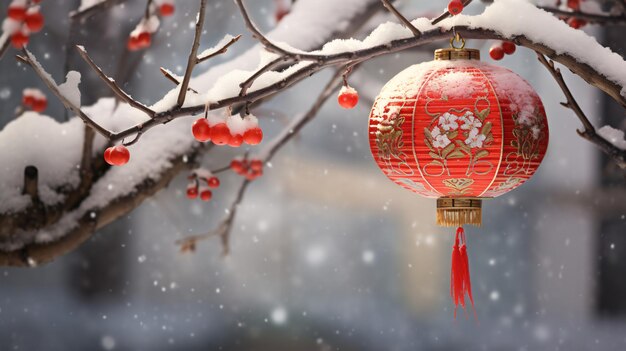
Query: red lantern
(458, 130)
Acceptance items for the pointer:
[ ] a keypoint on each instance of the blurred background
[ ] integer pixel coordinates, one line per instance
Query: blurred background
(327, 254)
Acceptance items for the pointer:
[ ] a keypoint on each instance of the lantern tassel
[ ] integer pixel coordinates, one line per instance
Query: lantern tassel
(460, 282)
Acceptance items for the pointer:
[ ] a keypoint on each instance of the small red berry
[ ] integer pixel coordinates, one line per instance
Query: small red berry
(166, 9)
(256, 165)
(133, 43)
(573, 4)
(348, 97)
(192, 192)
(280, 13)
(252, 175)
(235, 141)
(119, 155)
(107, 156)
(28, 100)
(34, 21)
(508, 47)
(17, 13)
(220, 134)
(206, 195)
(19, 40)
(237, 166)
(213, 182)
(201, 130)
(576, 22)
(40, 105)
(496, 52)
(253, 136)
(455, 7)
(144, 39)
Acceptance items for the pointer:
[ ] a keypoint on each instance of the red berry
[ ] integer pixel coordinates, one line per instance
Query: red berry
(237, 166)
(19, 40)
(235, 141)
(201, 130)
(220, 134)
(192, 192)
(252, 175)
(213, 182)
(119, 155)
(455, 7)
(253, 136)
(573, 4)
(280, 13)
(133, 43)
(17, 13)
(166, 9)
(107, 156)
(256, 165)
(206, 195)
(348, 98)
(40, 105)
(576, 22)
(496, 52)
(34, 21)
(28, 100)
(508, 47)
(144, 39)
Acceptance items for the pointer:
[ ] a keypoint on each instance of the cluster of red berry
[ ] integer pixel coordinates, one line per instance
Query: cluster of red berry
(141, 37)
(22, 20)
(348, 97)
(117, 155)
(251, 169)
(455, 7)
(34, 99)
(232, 130)
(573, 21)
(200, 183)
(498, 50)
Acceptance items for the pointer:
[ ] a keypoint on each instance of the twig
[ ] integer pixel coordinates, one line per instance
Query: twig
(589, 17)
(193, 59)
(4, 44)
(29, 59)
(112, 85)
(220, 51)
(256, 33)
(92, 10)
(173, 79)
(271, 65)
(589, 132)
(404, 20)
(447, 14)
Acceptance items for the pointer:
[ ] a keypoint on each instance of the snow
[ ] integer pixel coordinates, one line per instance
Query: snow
(614, 136)
(69, 89)
(85, 4)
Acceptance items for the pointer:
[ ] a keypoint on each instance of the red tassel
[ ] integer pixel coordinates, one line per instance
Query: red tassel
(460, 282)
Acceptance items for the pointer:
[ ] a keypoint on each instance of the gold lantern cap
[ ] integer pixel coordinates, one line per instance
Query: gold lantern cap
(457, 52)
(455, 212)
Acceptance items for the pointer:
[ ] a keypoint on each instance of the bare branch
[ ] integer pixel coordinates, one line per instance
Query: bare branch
(4, 44)
(29, 59)
(268, 67)
(110, 82)
(589, 132)
(402, 19)
(447, 14)
(222, 50)
(170, 76)
(589, 17)
(256, 33)
(191, 62)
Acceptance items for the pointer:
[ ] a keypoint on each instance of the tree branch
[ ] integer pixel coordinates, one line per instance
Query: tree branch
(589, 17)
(193, 59)
(402, 19)
(447, 14)
(222, 50)
(589, 132)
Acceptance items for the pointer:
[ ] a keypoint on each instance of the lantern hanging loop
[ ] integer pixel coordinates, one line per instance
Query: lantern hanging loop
(458, 39)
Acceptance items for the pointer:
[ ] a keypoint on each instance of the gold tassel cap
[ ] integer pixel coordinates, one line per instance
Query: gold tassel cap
(455, 212)
(457, 52)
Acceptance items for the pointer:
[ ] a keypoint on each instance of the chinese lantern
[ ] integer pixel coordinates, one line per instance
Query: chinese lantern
(458, 130)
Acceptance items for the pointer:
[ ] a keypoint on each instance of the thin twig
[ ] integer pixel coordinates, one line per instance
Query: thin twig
(589, 131)
(256, 33)
(110, 82)
(404, 20)
(447, 14)
(193, 59)
(220, 51)
(271, 65)
(173, 79)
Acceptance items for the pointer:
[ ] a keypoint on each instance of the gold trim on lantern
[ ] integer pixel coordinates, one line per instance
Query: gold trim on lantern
(457, 54)
(455, 212)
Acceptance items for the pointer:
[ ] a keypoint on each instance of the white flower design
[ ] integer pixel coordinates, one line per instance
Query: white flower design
(470, 122)
(448, 121)
(535, 130)
(475, 139)
(439, 140)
